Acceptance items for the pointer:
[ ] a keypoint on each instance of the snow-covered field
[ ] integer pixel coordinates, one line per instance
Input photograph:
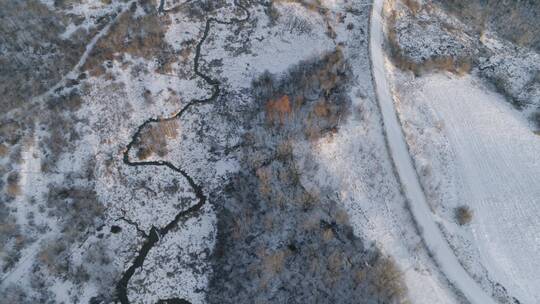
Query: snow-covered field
(472, 148)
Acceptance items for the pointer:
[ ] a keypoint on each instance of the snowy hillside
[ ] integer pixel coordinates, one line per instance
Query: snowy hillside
(268, 151)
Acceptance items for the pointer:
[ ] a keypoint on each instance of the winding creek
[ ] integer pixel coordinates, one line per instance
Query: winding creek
(155, 234)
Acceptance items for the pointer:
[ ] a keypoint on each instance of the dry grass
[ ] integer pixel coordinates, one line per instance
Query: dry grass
(154, 139)
(458, 66)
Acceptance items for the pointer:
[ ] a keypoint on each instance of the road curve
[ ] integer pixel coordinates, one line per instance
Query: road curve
(431, 234)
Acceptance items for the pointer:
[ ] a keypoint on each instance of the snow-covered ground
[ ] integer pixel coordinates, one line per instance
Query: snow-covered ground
(432, 235)
(493, 168)
(351, 166)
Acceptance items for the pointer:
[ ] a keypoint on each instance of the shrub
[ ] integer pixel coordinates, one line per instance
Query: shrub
(273, 262)
(13, 188)
(3, 150)
(272, 13)
(11, 257)
(463, 215)
(67, 203)
(55, 257)
(536, 120)
(413, 6)
(279, 108)
(153, 139)
(387, 279)
(13, 294)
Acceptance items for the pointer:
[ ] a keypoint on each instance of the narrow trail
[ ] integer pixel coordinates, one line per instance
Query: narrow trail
(73, 73)
(155, 234)
(430, 232)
